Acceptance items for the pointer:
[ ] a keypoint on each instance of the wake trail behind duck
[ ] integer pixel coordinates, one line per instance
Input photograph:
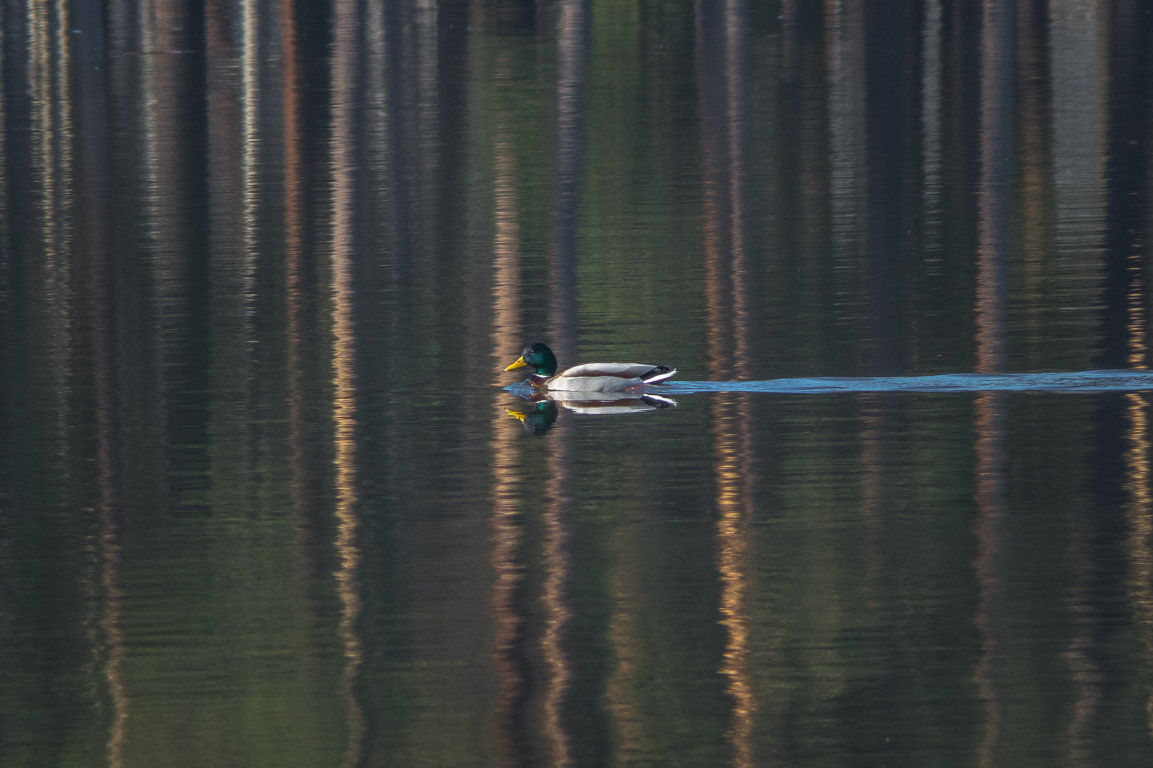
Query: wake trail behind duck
(1057, 382)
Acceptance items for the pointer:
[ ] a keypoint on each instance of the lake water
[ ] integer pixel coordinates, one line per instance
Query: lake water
(267, 496)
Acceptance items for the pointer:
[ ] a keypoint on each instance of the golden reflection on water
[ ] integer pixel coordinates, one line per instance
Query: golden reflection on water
(507, 584)
(98, 333)
(572, 52)
(722, 69)
(554, 603)
(507, 525)
(731, 472)
(1140, 539)
(296, 303)
(736, 39)
(232, 367)
(991, 309)
(110, 506)
(506, 281)
(50, 96)
(345, 392)
(111, 554)
(989, 423)
(993, 192)
(717, 293)
(1138, 324)
(49, 80)
(251, 107)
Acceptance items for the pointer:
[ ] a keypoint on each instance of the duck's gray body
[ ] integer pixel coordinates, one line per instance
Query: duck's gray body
(604, 377)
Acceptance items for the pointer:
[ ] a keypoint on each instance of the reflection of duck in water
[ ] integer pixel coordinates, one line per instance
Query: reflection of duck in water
(600, 402)
(539, 414)
(538, 418)
(590, 377)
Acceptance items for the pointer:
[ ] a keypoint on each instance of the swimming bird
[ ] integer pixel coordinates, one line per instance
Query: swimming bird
(590, 377)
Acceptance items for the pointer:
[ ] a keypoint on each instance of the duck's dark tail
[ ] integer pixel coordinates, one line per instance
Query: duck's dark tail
(659, 374)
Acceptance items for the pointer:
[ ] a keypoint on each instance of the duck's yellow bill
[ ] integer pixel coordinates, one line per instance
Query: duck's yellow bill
(520, 363)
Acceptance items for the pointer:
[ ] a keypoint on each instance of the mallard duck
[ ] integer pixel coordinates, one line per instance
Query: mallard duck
(590, 377)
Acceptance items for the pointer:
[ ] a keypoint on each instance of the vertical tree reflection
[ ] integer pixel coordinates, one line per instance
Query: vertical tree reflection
(507, 524)
(572, 66)
(295, 280)
(572, 72)
(993, 198)
(722, 88)
(94, 155)
(992, 258)
(990, 567)
(1140, 539)
(345, 59)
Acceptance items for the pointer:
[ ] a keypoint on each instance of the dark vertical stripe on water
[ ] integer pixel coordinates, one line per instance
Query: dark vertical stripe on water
(890, 34)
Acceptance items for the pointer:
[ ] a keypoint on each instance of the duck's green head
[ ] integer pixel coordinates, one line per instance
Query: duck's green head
(538, 357)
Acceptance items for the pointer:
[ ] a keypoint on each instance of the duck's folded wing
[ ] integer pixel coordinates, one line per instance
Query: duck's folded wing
(617, 370)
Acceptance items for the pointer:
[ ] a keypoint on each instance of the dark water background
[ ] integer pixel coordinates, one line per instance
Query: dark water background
(264, 499)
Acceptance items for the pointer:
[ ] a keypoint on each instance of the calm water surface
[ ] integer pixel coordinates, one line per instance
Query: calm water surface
(266, 500)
